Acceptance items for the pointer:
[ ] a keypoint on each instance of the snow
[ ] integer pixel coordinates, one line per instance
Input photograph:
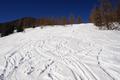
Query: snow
(77, 52)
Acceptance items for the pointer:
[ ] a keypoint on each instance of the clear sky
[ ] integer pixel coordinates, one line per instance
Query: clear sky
(13, 9)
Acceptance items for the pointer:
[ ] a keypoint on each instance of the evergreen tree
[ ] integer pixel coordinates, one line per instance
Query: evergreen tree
(118, 13)
(64, 20)
(72, 20)
(20, 27)
(96, 16)
(79, 20)
(3, 30)
(106, 9)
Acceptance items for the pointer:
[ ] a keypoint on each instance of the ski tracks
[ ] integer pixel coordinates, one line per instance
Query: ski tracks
(49, 58)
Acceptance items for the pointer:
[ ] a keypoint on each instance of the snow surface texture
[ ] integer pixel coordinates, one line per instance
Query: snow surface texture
(77, 52)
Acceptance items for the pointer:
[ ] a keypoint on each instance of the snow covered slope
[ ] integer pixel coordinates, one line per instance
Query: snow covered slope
(78, 52)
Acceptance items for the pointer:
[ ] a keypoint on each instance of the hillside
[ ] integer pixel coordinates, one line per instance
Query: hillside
(19, 25)
(77, 52)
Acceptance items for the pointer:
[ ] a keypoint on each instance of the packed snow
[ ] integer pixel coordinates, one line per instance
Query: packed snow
(71, 52)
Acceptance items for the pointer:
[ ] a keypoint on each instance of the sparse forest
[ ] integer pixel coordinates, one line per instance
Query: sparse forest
(105, 15)
(29, 22)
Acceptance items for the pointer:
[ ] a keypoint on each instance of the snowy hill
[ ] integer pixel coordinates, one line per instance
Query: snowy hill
(78, 52)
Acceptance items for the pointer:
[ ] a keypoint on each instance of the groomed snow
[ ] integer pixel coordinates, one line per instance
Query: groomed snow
(77, 52)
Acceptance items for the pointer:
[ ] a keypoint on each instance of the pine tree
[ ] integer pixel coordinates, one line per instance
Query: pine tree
(106, 9)
(3, 30)
(118, 13)
(20, 25)
(20, 28)
(79, 20)
(64, 20)
(96, 16)
(72, 20)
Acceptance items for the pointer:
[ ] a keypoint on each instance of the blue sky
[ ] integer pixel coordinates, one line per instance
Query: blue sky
(13, 9)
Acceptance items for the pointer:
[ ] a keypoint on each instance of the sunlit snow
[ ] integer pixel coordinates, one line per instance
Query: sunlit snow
(72, 52)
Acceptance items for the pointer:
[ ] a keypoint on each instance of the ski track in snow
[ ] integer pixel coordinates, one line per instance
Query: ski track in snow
(78, 53)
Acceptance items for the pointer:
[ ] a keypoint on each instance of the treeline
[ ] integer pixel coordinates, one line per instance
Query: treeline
(105, 15)
(27, 22)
